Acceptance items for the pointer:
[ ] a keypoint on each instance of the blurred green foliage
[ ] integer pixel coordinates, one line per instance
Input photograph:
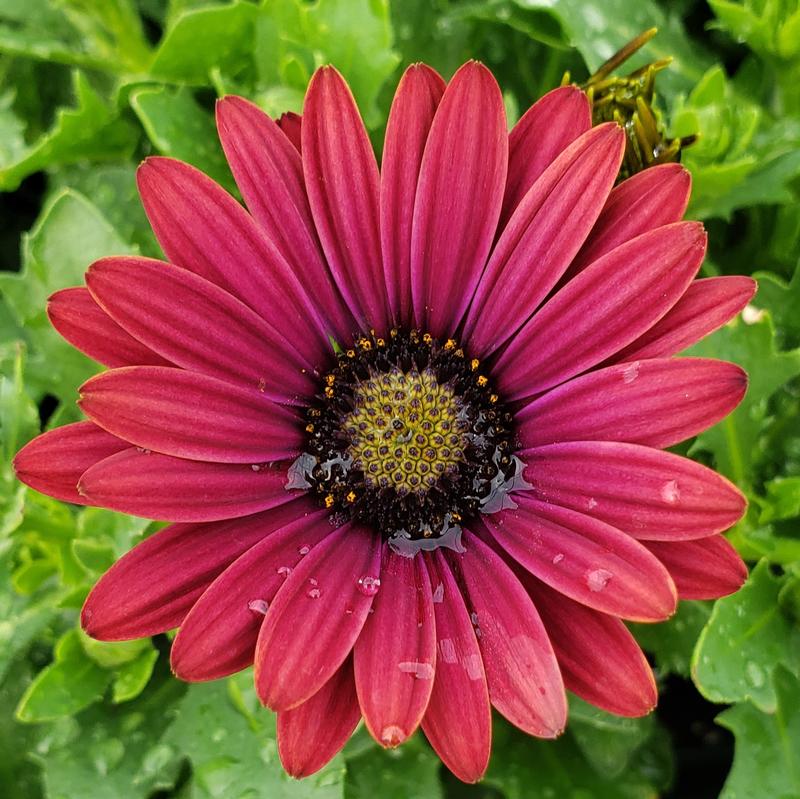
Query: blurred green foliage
(89, 87)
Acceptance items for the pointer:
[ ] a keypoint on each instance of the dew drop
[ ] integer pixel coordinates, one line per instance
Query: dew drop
(670, 492)
(258, 606)
(438, 594)
(314, 593)
(448, 650)
(303, 550)
(256, 467)
(284, 571)
(313, 581)
(369, 585)
(630, 372)
(597, 579)
(422, 671)
(392, 735)
(755, 674)
(558, 558)
(591, 504)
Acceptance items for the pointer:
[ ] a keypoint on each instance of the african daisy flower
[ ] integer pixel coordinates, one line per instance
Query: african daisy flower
(408, 424)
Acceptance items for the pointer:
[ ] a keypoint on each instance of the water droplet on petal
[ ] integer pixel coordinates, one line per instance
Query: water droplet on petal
(313, 581)
(630, 372)
(314, 593)
(284, 571)
(591, 504)
(558, 558)
(438, 594)
(304, 550)
(422, 671)
(392, 735)
(369, 585)
(258, 606)
(670, 492)
(597, 579)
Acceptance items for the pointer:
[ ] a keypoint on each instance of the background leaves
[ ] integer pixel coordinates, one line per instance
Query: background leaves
(89, 88)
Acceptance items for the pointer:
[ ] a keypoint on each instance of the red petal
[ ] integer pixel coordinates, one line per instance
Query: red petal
(707, 305)
(459, 196)
(647, 493)
(198, 326)
(269, 173)
(657, 403)
(343, 187)
(547, 128)
(318, 613)
(600, 660)
(310, 735)
(54, 461)
(172, 489)
(190, 415)
(410, 118)
(291, 126)
(458, 721)
(586, 559)
(85, 325)
(536, 246)
(521, 670)
(609, 304)
(202, 228)
(705, 569)
(219, 635)
(395, 655)
(152, 587)
(651, 198)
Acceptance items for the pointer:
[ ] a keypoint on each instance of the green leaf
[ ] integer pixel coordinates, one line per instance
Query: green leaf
(237, 754)
(131, 678)
(70, 684)
(409, 772)
(203, 39)
(107, 753)
(69, 234)
(765, 762)
(293, 38)
(528, 768)
(782, 300)
(111, 654)
(782, 499)
(734, 441)
(177, 126)
(745, 639)
(90, 130)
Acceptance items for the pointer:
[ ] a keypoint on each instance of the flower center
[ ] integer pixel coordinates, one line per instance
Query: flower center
(408, 436)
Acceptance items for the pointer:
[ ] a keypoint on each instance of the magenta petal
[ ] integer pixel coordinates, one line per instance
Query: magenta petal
(318, 613)
(647, 493)
(311, 734)
(458, 721)
(600, 660)
(152, 587)
(524, 681)
(410, 118)
(657, 403)
(343, 187)
(190, 415)
(458, 199)
(83, 323)
(219, 635)
(650, 199)
(395, 655)
(607, 306)
(203, 229)
(586, 559)
(269, 173)
(54, 461)
(705, 569)
(291, 126)
(198, 326)
(536, 246)
(547, 128)
(171, 489)
(707, 305)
